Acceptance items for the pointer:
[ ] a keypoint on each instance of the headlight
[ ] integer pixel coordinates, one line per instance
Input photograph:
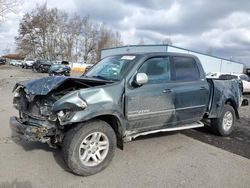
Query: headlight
(17, 94)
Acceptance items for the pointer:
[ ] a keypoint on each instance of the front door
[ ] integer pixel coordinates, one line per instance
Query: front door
(151, 105)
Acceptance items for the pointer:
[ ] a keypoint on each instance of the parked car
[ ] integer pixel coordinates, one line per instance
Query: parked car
(2, 61)
(13, 62)
(20, 63)
(120, 98)
(60, 69)
(42, 66)
(229, 76)
(28, 63)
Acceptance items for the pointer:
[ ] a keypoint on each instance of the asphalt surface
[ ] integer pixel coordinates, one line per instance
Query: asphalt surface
(190, 158)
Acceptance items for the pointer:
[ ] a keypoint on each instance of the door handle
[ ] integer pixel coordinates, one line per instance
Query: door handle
(203, 88)
(167, 91)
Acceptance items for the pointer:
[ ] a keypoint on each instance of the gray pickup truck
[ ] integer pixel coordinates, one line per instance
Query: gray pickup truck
(120, 98)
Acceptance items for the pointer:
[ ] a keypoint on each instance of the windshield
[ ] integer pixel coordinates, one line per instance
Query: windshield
(111, 68)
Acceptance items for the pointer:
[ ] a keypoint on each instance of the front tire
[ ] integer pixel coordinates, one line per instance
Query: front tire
(89, 148)
(34, 69)
(225, 124)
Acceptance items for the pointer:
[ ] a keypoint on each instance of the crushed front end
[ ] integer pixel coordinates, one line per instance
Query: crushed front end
(46, 106)
(36, 121)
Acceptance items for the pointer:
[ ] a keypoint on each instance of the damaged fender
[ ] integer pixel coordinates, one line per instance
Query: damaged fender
(83, 105)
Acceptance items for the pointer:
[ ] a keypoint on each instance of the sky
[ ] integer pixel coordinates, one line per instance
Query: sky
(221, 27)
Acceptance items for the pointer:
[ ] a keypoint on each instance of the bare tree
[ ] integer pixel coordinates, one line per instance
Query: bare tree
(52, 34)
(7, 6)
(167, 41)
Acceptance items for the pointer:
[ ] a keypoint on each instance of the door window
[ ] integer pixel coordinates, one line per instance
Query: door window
(185, 69)
(157, 69)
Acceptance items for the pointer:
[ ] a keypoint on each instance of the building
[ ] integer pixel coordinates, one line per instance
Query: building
(210, 63)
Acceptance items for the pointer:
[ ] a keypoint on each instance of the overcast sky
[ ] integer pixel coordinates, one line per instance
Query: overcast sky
(222, 26)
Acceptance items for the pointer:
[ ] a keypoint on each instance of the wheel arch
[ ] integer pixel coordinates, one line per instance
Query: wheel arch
(116, 124)
(232, 103)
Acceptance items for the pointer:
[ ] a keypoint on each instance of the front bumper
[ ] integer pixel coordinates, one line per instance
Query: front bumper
(66, 73)
(45, 69)
(29, 132)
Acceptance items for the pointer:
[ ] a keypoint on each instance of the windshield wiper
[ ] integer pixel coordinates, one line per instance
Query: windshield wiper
(100, 77)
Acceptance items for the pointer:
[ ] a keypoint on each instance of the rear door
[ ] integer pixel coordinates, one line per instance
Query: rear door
(191, 90)
(151, 105)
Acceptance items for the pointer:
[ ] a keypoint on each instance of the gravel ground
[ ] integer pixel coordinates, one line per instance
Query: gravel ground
(177, 159)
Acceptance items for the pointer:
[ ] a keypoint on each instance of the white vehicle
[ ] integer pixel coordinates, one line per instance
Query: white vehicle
(28, 63)
(245, 81)
(229, 76)
(19, 63)
(13, 62)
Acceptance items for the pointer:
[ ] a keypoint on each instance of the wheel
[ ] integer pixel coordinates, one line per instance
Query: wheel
(39, 70)
(34, 69)
(225, 124)
(89, 148)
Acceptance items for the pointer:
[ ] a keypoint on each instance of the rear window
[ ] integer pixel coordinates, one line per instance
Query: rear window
(185, 69)
(244, 77)
(227, 77)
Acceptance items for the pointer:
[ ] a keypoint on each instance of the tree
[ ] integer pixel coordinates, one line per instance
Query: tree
(7, 6)
(53, 34)
(106, 38)
(167, 41)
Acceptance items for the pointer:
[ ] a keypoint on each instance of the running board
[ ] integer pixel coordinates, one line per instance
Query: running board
(132, 135)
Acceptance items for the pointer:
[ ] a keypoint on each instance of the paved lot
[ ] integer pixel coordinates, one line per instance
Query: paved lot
(177, 159)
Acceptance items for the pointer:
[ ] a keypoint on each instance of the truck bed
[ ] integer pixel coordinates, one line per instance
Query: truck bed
(222, 92)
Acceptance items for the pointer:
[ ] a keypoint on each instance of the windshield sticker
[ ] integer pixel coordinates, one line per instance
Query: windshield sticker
(127, 57)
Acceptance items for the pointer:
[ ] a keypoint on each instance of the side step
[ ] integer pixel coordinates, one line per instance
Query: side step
(132, 135)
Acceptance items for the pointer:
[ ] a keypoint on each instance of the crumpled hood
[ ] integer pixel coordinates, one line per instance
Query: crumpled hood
(43, 86)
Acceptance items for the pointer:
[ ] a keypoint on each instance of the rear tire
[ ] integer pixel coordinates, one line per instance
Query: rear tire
(225, 124)
(89, 148)
(34, 69)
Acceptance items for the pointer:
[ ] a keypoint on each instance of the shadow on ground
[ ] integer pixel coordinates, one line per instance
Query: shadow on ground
(238, 142)
(30, 146)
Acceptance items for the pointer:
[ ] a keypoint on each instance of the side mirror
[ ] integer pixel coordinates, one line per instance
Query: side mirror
(140, 79)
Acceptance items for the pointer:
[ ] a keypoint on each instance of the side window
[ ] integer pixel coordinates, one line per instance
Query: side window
(227, 77)
(157, 69)
(185, 69)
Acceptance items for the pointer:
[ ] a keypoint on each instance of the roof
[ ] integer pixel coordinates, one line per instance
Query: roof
(166, 45)
(157, 54)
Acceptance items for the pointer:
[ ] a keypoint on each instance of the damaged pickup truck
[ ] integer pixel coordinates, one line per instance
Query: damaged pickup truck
(120, 98)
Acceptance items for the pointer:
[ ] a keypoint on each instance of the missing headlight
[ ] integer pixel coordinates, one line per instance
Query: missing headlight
(45, 110)
(64, 115)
